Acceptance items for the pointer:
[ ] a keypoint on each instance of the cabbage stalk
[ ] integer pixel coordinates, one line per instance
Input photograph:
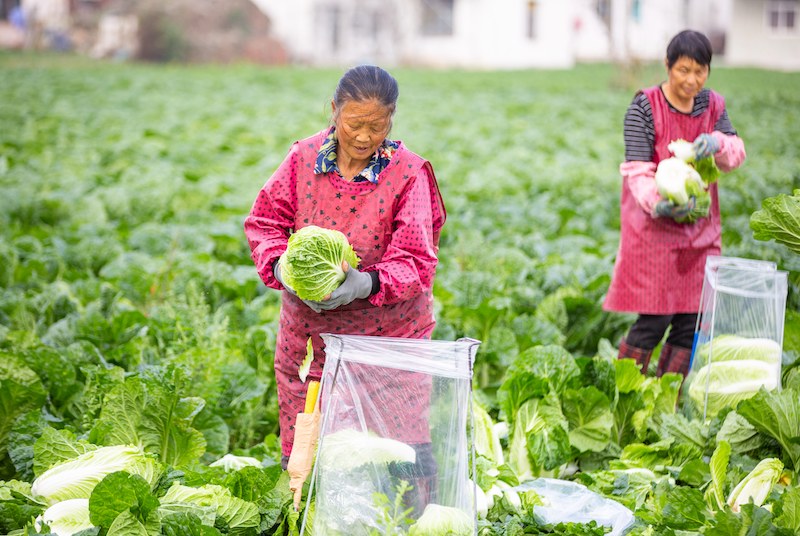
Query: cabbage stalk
(439, 520)
(66, 518)
(76, 478)
(757, 485)
(312, 262)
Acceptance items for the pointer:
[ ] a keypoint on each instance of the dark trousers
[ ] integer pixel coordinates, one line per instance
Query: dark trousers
(648, 330)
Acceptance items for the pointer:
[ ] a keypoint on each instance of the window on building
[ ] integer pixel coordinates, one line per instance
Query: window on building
(531, 30)
(782, 15)
(329, 25)
(603, 8)
(7, 6)
(437, 17)
(636, 10)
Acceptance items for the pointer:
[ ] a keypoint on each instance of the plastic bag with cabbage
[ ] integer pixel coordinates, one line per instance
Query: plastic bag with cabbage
(733, 368)
(312, 262)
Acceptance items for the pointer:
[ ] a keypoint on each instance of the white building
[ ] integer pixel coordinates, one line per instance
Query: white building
(441, 33)
(519, 34)
(764, 33)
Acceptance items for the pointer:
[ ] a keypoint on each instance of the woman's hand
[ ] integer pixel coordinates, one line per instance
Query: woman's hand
(705, 145)
(668, 209)
(357, 285)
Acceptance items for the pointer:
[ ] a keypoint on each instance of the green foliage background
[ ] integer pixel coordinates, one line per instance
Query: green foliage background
(124, 188)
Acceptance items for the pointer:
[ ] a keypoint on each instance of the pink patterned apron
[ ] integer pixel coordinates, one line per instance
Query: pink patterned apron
(367, 214)
(660, 263)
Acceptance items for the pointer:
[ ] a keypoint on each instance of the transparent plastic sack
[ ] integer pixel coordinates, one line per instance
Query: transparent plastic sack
(738, 342)
(393, 436)
(566, 501)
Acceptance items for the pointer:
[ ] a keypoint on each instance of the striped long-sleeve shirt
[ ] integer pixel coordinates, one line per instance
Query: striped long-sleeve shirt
(639, 130)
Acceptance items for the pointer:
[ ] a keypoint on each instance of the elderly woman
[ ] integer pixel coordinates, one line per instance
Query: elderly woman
(659, 268)
(384, 198)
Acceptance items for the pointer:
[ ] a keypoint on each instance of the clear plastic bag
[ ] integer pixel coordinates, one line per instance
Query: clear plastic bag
(739, 335)
(393, 437)
(566, 501)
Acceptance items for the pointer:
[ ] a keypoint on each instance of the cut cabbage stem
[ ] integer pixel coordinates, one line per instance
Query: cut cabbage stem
(311, 396)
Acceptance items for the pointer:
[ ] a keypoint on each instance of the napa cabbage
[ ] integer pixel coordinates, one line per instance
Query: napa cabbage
(76, 478)
(312, 262)
(723, 384)
(705, 167)
(677, 181)
(757, 485)
(348, 449)
(239, 515)
(439, 520)
(735, 348)
(231, 462)
(683, 176)
(66, 518)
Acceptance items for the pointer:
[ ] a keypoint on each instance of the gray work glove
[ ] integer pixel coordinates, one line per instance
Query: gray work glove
(705, 145)
(668, 209)
(357, 285)
(313, 305)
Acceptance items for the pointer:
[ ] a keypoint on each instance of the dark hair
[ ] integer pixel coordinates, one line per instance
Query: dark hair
(367, 82)
(691, 44)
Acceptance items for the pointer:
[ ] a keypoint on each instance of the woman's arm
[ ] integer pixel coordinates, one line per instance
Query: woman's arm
(272, 217)
(641, 179)
(731, 152)
(638, 170)
(409, 264)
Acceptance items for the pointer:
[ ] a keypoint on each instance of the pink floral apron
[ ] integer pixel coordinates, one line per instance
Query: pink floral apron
(368, 215)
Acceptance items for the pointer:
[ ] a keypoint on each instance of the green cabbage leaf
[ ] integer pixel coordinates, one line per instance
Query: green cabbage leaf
(779, 219)
(312, 262)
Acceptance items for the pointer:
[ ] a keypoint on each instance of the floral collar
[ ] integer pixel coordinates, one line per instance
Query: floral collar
(326, 159)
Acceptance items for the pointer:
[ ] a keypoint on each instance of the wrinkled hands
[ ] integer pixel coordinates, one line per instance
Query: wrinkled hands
(668, 209)
(705, 145)
(314, 305)
(357, 285)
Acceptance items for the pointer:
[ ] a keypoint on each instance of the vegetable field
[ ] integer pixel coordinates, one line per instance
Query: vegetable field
(131, 314)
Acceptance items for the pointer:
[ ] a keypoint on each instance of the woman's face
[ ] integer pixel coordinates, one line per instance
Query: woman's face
(360, 129)
(686, 78)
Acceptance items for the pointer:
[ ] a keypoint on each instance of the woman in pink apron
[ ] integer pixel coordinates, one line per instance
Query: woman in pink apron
(660, 262)
(385, 199)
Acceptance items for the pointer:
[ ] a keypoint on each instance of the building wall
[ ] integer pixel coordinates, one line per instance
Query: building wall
(493, 34)
(486, 34)
(751, 42)
(514, 34)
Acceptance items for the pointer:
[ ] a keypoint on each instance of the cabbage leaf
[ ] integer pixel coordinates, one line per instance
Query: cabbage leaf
(312, 262)
(77, 478)
(779, 219)
(66, 517)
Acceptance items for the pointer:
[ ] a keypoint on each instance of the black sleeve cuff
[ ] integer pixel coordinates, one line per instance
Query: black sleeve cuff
(376, 283)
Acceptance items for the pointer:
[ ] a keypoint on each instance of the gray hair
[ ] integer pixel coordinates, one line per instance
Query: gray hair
(367, 82)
